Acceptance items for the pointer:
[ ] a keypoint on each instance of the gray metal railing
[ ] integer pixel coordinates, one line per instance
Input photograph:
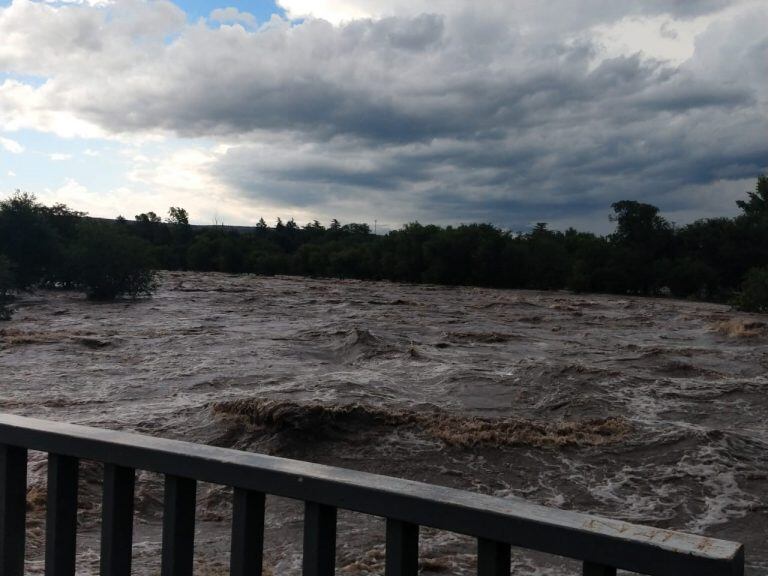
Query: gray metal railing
(602, 544)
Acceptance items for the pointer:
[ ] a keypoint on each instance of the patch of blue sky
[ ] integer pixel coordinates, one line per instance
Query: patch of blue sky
(262, 10)
(253, 13)
(48, 162)
(28, 79)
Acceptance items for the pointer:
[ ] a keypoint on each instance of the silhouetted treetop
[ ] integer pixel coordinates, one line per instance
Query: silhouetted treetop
(637, 222)
(178, 216)
(757, 202)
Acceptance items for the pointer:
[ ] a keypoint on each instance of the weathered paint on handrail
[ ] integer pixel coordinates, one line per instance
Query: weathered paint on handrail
(515, 521)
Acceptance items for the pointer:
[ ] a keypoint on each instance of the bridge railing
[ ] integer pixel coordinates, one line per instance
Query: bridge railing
(602, 544)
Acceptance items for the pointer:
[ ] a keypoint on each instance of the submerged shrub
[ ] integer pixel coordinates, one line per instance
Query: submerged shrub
(109, 263)
(753, 296)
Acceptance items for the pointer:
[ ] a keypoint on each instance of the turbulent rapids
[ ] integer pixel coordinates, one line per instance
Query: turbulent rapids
(648, 410)
(319, 420)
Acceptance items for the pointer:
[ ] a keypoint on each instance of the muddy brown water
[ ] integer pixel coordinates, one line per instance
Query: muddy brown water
(648, 410)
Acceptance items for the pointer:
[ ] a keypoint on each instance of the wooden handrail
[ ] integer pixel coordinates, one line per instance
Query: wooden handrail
(603, 544)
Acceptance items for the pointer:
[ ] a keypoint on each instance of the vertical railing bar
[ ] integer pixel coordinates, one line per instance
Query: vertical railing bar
(178, 526)
(319, 540)
(13, 509)
(493, 558)
(402, 557)
(117, 520)
(61, 516)
(591, 569)
(247, 554)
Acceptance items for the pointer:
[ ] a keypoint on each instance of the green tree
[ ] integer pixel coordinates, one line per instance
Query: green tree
(753, 296)
(547, 262)
(150, 227)
(314, 225)
(7, 283)
(178, 216)
(638, 223)
(201, 254)
(109, 263)
(172, 250)
(757, 202)
(148, 218)
(230, 254)
(642, 237)
(7, 280)
(751, 229)
(28, 239)
(313, 260)
(355, 228)
(719, 245)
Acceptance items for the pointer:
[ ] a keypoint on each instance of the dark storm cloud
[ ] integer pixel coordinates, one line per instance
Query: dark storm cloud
(503, 115)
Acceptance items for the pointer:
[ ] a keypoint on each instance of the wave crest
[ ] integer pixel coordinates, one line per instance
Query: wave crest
(451, 429)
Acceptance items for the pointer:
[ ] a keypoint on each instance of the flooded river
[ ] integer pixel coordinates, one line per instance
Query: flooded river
(648, 410)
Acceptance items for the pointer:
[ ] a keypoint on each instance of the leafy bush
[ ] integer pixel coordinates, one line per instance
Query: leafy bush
(6, 286)
(685, 277)
(201, 255)
(753, 296)
(110, 263)
(7, 281)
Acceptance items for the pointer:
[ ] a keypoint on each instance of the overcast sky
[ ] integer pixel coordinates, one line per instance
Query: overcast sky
(502, 111)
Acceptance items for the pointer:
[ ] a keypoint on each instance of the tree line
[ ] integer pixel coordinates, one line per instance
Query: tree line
(721, 259)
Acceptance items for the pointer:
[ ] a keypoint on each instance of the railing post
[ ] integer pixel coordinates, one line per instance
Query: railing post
(493, 558)
(61, 516)
(319, 540)
(13, 509)
(178, 526)
(117, 520)
(402, 548)
(591, 569)
(247, 533)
